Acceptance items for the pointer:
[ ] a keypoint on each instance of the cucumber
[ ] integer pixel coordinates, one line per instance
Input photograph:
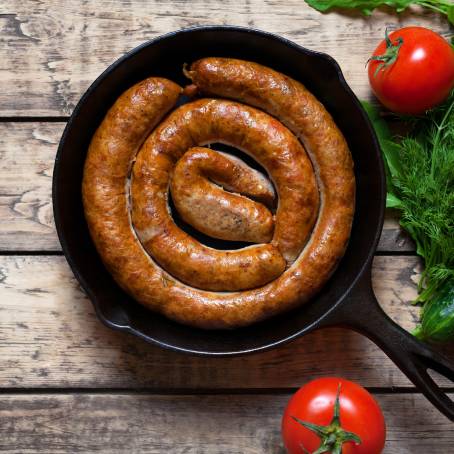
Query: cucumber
(437, 316)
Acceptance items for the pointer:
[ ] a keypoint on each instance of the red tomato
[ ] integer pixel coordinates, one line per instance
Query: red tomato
(421, 76)
(314, 403)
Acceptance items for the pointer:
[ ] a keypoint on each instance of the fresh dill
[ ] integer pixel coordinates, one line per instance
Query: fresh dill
(420, 183)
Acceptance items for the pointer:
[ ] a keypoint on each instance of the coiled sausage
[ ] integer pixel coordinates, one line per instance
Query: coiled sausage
(311, 248)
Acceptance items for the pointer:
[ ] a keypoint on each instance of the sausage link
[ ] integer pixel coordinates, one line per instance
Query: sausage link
(225, 215)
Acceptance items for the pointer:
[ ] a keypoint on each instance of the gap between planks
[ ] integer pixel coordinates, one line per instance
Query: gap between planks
(190, 391)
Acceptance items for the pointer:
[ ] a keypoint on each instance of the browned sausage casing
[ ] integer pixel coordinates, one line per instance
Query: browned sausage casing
(273, 146)
(123, 131)
(225, 215)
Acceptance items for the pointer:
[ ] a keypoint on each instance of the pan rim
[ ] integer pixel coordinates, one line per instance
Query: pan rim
(58, 222)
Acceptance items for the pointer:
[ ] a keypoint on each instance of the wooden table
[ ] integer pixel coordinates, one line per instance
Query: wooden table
(68, 384)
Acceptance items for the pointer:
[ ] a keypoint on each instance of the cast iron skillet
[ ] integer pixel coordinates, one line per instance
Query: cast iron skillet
(346, 300)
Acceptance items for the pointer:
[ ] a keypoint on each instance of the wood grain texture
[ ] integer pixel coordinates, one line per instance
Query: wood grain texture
(27, 153)
(247, 424)
(50, 337)
(51, 51)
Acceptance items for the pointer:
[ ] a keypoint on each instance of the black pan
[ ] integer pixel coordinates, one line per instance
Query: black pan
(346, 300)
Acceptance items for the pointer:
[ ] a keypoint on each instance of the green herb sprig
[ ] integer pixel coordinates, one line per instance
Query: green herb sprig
(420, 182)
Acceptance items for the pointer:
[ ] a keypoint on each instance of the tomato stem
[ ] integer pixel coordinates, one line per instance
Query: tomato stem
(332, 436)
(390, 55)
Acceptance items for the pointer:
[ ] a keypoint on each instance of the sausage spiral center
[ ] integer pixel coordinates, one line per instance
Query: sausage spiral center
(138, 159)
(222, 197)
(260, 135)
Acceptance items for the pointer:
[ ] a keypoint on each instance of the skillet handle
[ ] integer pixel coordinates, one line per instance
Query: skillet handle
(361, 312)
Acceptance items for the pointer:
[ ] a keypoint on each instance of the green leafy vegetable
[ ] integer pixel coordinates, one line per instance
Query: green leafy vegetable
(451, 14)
(420, 183)
(445, 7)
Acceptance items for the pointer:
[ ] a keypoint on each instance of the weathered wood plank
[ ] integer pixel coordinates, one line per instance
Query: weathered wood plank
(50, 337)
(393, 237)
(50, 51)
(246, 424)
(27, 153)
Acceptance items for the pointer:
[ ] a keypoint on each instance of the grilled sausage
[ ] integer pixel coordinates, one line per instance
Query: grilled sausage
(310, 257)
